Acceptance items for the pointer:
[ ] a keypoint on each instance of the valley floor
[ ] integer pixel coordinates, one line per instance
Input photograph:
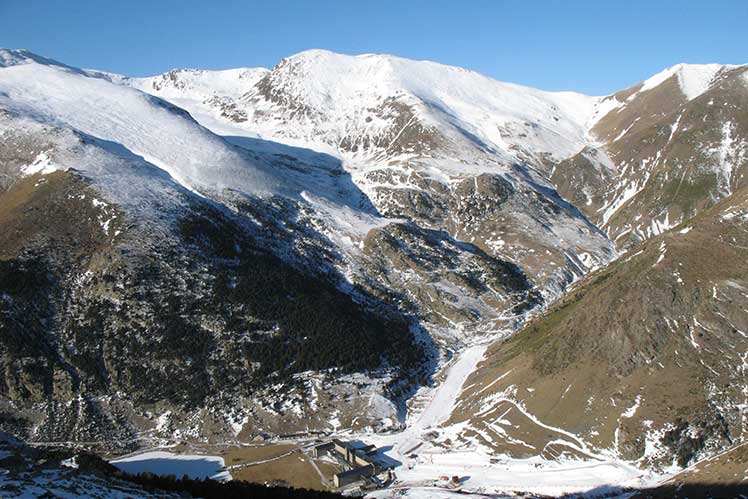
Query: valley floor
(422, 467)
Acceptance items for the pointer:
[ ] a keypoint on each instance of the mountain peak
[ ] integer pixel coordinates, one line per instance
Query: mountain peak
(14, 57)
(324, 54)
(694, 79)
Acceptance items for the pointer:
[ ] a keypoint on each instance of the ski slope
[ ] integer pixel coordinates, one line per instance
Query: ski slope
(422, 463)
(137, 128)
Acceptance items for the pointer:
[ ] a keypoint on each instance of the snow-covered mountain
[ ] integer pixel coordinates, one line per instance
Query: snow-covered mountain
(302, 248)
(398, 198)
(349, 102)
(412, 134)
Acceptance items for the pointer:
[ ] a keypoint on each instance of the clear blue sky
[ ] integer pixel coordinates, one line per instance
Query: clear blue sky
(591, 46)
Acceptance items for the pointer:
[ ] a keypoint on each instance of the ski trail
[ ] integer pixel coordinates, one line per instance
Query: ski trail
(444, 397)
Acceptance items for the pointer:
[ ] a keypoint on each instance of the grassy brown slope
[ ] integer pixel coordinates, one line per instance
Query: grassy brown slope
(53, 210)
(729, 467)
(722, 476)
(667, 326)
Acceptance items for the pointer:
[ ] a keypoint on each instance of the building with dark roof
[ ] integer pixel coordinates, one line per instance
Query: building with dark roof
(347, 477)
(361, 459)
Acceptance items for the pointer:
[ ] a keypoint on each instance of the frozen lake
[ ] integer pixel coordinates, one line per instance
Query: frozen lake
(168, 463)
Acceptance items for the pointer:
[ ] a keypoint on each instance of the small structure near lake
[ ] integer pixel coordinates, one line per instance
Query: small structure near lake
(361, 459)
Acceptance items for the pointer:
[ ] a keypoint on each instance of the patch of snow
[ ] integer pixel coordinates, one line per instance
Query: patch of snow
(198, 84)
(663, 251)
(674, 127)
(725, 157)
(625, 130)
(602, 108)
(41, 164)
(154, 130)
(693, 340)
(695, 79)
(631, 411)
(625, 191)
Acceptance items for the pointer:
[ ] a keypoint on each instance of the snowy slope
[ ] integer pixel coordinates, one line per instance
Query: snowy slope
(322, 99)
(693, 79)
(446, 96)
(133, 123)
(160, 133)
(200, 85)
(343, 88)
(15, 57)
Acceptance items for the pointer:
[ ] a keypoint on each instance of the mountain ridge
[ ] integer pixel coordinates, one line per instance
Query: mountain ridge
(154, 186)
(434, 206)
